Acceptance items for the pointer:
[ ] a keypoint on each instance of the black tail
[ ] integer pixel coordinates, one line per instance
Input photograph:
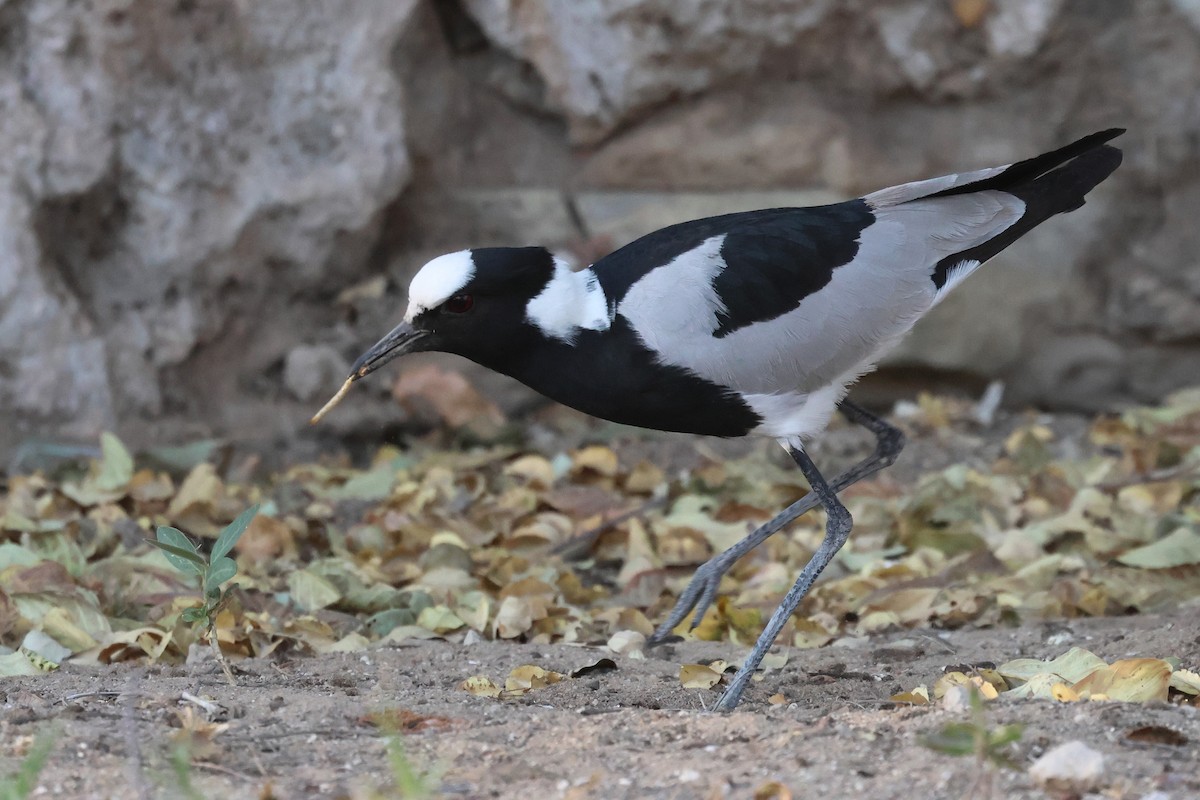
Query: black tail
(1025, 172)
(1049, 184)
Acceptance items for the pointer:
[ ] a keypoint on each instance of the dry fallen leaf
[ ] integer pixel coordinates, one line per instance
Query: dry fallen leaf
(480, 686)
(698, 676)
(1135, 680)
(451, 397)
(529, 676)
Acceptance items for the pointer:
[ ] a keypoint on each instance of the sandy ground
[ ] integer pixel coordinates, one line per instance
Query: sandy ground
(296, 728)
(820, 726)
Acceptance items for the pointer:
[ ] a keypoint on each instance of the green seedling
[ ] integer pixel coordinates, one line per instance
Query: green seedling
(988, 745)
(408, 781)
(20, 784)
(212, 570)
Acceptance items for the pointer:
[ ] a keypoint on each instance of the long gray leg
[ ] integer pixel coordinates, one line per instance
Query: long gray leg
(702, 589)
(837, 530)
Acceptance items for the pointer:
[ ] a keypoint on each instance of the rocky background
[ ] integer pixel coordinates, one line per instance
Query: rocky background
(209, 207)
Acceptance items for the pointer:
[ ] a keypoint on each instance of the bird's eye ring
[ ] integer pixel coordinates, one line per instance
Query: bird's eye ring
(459, 304)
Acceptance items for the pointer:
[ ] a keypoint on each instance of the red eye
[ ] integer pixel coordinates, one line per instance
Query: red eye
(459, 304)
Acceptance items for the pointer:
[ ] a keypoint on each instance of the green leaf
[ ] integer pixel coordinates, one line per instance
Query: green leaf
(116, 465)
(232, 533)
(1004, 735)
(221, 570)
(16, 663)
(1179, 548)
(194, 614)
(311, 592)
(955, 739)
(179, 550)
(180, 459)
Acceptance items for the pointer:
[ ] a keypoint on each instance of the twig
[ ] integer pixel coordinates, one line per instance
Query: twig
(578, 545)
(133, 749)
(70, 698)
(208, 706)
(233, 773)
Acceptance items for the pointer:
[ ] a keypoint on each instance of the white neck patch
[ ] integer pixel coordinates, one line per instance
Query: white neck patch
(570, 301)
(438, 281)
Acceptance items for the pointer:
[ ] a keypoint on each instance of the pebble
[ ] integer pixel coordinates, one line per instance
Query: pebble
(1070, 767)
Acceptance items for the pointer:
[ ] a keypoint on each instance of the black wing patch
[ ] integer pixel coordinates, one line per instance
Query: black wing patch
(770, 267)
(826, 226)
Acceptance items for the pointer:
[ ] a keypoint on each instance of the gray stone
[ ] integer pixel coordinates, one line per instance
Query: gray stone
(313, 371)
(164, 167)
(1018, 27)
(604, 60)
(1070, 767)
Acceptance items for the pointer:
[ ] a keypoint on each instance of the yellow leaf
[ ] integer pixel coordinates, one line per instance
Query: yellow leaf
(127, 645)
(1063, 693)
(917, 697)
(810, 634)
(1135, 680)
(644, 478)
(480, 686)
(773, 790)
(744, 623)
(200, 490)
(596, 459)
(59, 623)
(530, 676)
(951, 679)
(698, 676)
(710, 629)
(534, 470)
(970, 13)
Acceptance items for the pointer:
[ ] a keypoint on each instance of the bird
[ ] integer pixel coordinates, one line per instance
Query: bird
(753, 323)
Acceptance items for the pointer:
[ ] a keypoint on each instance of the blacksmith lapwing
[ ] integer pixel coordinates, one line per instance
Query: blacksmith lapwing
(751, 323)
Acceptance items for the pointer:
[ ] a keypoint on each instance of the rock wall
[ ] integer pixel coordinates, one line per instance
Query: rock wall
(207, 208)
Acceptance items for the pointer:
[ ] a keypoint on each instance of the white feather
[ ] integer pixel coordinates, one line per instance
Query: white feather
(438, 281)
(905, 192)
(570, 301)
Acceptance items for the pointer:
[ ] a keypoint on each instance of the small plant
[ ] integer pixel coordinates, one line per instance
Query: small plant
(212, 570)
(21, 783)
(409, 782)
(181, 766)
(988, 745)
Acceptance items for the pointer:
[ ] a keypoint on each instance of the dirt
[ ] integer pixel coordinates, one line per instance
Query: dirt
(821, 726)
(296, 728)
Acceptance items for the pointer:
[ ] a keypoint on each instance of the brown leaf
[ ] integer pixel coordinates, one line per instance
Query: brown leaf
(1156, 734)
(403, 720)
(451, 397)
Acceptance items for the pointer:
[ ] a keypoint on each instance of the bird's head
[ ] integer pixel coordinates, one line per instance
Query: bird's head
(472, 303)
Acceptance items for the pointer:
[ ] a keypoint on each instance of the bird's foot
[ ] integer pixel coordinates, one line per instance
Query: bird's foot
(699, 595)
